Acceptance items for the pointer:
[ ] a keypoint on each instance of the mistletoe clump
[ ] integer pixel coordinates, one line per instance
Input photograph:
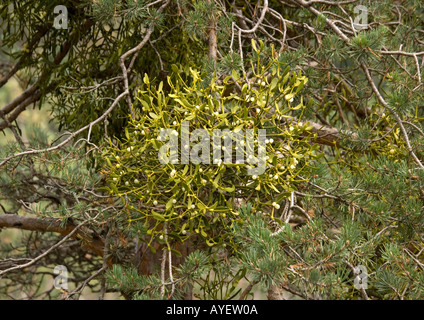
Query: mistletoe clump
(176, 200)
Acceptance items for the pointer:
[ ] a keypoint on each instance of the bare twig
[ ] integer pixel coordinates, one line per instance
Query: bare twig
(30, 263)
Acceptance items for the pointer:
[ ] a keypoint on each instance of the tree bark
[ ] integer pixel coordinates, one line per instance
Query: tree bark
(52, 225)
(212, 40)
(275, 293)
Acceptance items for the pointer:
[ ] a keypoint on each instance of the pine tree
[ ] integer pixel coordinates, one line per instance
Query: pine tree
(338, 87)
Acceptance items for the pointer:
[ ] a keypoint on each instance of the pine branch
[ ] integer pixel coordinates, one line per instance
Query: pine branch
(52, 225)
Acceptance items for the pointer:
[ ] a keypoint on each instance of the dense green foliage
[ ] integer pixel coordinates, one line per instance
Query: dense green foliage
(343, 106)
(198, 198)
